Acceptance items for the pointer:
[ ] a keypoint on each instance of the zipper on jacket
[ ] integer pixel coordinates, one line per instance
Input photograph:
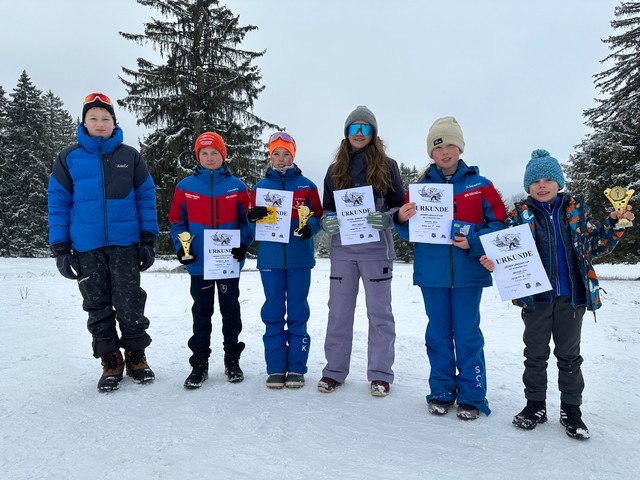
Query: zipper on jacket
(284, 245)
(212, 200)
(103, 169)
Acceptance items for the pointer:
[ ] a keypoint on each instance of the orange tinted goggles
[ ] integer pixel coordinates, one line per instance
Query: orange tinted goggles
(100, 97)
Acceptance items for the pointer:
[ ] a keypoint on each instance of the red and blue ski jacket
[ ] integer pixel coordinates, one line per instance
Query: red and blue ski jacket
(100, 194)
(297, 253)
(209, 199)
(475, 200)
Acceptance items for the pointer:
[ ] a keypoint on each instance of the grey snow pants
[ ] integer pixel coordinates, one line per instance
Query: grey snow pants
(343, 292)
(560, 320)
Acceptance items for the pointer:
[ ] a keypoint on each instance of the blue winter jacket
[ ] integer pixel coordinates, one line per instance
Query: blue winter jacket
(297, 253)
(100, 194)
(476, 201)
(209, 199)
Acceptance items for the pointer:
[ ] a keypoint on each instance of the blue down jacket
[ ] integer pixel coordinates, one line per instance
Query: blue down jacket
(100, 194)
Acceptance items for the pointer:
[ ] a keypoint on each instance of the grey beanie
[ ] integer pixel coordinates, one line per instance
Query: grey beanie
(363, 114)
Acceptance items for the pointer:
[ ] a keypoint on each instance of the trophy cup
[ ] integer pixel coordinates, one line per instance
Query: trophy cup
(185, 239)
(304, 213)
(619, 198)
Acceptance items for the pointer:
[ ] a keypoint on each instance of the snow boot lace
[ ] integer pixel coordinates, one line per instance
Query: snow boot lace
(137, 367)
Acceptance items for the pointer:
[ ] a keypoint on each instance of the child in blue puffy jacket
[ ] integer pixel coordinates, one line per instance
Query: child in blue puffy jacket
(102, 228)
(285, 268)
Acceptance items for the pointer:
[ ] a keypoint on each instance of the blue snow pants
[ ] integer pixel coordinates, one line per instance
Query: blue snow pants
(286, 291)
(455, 346)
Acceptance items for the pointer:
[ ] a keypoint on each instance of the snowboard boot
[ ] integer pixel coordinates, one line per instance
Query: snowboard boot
(232, 365)
(199, 373)
(112, 368)
(531, 415)
(137, 367)
(571, 420)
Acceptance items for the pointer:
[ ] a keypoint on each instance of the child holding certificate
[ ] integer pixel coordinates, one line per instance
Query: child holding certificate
(359, 162)
(451, 277)
(567, 241)
(285, 267)
(211, 198)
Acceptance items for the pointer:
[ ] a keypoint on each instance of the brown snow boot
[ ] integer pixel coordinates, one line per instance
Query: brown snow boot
(112, 367)
(137, 367)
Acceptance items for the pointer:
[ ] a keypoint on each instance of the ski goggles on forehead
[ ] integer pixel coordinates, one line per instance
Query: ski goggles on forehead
(100, 97)
(365, 128)
(282, 136)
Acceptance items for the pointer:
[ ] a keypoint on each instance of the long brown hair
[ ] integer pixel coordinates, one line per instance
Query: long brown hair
(378, 175)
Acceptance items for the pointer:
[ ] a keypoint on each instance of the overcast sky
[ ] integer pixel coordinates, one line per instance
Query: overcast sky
(517, 74)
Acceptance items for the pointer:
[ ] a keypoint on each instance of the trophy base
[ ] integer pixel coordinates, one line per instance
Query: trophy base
(187, 257)
(624, 223)
(296, 233)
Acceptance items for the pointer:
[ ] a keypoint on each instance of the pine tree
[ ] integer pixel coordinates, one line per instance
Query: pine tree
(208, 83)
(25, 174)
(4, 206)
(611, 154)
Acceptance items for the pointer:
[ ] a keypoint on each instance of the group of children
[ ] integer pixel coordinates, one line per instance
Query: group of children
(103, 225)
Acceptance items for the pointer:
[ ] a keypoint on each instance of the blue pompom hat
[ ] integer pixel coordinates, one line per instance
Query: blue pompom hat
(543, 165)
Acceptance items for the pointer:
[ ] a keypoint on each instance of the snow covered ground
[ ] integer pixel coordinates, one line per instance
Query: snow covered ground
(55, 425)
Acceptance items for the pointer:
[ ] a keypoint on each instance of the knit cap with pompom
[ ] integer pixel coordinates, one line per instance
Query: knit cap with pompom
(543, 165)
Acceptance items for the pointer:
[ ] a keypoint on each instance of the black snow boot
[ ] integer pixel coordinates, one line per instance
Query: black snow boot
(571, 420)
(198, 375)
(232, 364)
(137, 367)
(533, 414)
(112, 368)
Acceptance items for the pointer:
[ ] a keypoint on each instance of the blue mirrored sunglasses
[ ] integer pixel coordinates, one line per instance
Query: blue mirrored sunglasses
(365, 128)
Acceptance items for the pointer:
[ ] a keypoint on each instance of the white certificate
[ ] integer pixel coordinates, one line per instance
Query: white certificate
(283, 201)
(434, 213)
(353, 205)
(518, 269)
(218, 259)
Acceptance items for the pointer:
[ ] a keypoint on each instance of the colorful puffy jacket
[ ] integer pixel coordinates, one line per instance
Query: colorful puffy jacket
(588, 240)
(100, 194)
(476, 201)
(297, 253)
(209, 199)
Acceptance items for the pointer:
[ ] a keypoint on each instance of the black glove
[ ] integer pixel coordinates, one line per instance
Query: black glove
(66, 261)
(304, 233)
(189, 261)
(146, 251)
(257, 213)
(239, 252)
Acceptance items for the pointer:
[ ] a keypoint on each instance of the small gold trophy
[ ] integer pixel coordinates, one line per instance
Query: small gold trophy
(619, 198)
(271, 215)
(304, 213)
(185, 239)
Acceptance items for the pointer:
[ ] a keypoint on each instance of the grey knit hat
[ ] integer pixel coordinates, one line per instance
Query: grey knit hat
(542, 165)
(363, 114)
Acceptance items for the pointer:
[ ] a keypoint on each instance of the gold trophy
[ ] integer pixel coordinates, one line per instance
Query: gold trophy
(619, 198)
(304, 213)
(271, 215)
(185, 239)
